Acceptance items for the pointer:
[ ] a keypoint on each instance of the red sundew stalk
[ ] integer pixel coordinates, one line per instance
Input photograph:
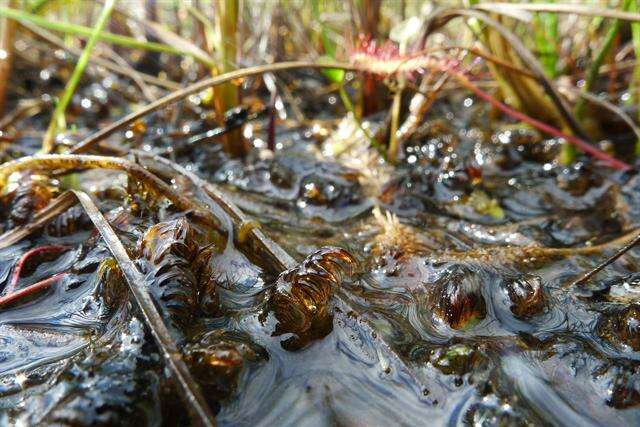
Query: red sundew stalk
(388, 63)
(25, 257)
(30, 290)
(582, 145)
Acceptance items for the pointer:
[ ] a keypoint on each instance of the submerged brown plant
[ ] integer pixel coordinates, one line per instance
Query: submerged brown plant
(217, 359)
(456, 298)
(526, 295)
(622, 326)
(30, 193)
(301, 297)
(168, 250)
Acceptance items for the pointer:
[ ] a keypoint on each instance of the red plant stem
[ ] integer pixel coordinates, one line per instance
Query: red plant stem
(30, 290)
(582, 145)
(23, 259)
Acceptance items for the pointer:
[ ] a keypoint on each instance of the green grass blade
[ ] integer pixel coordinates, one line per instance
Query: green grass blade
(82, 31)
(594, 68)
(328, 45)
(569, 151)
(74, 80)
(546, 38)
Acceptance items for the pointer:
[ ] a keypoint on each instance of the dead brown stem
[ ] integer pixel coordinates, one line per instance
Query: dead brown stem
(68, 162)
(189, 390)
(626, 248)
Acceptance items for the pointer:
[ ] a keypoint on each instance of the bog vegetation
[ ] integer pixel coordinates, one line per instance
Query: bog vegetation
(328, 212)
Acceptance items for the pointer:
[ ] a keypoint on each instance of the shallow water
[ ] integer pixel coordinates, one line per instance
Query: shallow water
(445, 319)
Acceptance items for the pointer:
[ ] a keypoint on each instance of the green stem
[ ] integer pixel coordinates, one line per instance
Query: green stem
(546, 37)
(592, 73)
(392, 153)
(345, 100)
(57, 120)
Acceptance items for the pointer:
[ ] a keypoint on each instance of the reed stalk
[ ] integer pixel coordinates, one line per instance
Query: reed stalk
(227, 95)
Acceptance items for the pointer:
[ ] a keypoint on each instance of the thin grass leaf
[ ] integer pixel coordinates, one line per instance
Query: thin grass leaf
(546, 39)
(594, 99)
(172, 39)
(588, 275)
(568, 152)
(593, 72)
(100, 62)
(443, 16)
(82, 31)
(57, 119)
(182, 44)
(209, 30)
